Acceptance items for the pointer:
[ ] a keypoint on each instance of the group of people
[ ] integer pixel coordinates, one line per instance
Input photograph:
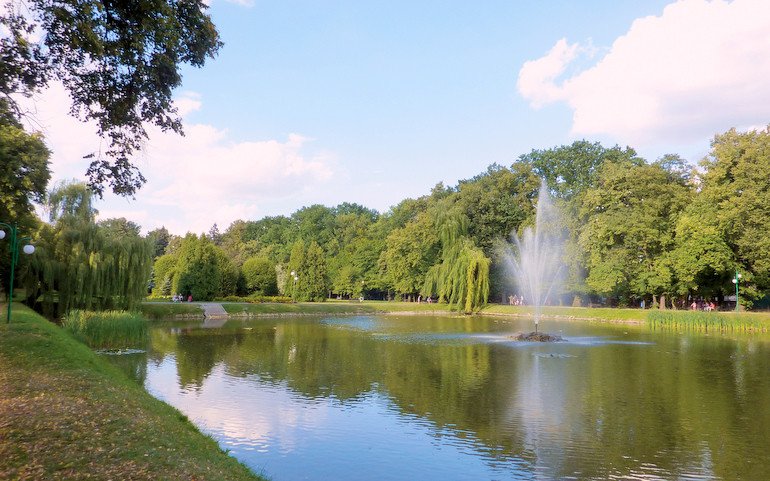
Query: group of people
(703, 305)
(515, 300)
(180, 298)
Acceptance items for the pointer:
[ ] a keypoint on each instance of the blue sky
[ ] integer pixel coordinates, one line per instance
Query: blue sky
(372, 102)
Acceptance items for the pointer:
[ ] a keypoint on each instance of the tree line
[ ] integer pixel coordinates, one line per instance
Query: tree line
(660, 232)
(663, 232)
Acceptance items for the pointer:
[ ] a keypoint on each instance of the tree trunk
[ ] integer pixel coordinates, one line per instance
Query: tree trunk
(662, 302)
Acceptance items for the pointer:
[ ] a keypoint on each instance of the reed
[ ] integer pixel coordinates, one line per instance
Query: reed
(107, 329)
(707, 321)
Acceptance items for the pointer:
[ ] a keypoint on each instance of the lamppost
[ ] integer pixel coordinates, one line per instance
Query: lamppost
(294, 286)
(736, 281)
(14, 247)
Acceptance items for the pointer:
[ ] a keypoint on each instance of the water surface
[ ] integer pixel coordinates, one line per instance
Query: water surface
(417, 397)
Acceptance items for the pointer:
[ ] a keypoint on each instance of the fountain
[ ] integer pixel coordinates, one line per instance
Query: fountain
(536, 261)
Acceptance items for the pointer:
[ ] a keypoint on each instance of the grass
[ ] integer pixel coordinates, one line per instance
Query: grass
(710, 321)
(334, 307)
(107, 329)
(67, 414)
(158, 310)
(609, 314)
(297, 308)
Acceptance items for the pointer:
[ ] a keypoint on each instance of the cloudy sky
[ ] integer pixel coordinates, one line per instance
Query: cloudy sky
(372, 102)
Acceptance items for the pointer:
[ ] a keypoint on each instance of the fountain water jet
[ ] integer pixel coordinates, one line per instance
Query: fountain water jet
(536, 262)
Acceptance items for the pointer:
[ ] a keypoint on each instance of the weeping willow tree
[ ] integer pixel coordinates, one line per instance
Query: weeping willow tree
(77, 265)
(462, 277)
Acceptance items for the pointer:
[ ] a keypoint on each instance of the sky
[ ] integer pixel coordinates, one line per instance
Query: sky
(324, 102)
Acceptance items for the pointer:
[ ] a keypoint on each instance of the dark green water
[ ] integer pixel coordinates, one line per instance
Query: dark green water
(443, 398)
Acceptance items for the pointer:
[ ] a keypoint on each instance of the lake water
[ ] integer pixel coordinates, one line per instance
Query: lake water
(452, 398)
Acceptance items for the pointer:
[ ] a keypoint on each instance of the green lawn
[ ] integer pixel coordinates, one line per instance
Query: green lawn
(65, 413)
(592, 313)
(161, 310)
(268, 308)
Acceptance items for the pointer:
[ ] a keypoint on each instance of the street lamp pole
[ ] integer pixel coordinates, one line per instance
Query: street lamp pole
(14, 247)
(736, 281)
(294, 286)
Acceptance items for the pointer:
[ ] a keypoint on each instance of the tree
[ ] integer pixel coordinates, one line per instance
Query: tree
(78, 265)
(214, 235)
(160, 238)
(409, 252)
(71, 200)
(570, 169)
(315, 284)
(164, 272)
(260, 277)
(629, 219)
(462, 277)
(292, 286)
(120, 62)
(119, 227)
(198, 271)
(24, 176)
(349, 264)
(309, 265)
(497, 202)
(24, 171)
(232, 280)
(733, 208)
(315, 223)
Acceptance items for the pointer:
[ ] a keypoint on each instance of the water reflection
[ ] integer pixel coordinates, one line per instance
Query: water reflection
(452, 398)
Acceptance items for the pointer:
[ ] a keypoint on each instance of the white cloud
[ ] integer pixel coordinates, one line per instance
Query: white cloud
(195, 180)
(699, 68)
(536, 78)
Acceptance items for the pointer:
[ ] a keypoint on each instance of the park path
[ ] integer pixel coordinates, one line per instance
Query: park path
(213, 310)
(214, 314)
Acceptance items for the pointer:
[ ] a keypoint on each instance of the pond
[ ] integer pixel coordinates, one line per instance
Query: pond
(453, 398)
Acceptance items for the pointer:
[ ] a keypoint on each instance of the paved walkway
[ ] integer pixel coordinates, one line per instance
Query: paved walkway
(215, 314)
(213, 310)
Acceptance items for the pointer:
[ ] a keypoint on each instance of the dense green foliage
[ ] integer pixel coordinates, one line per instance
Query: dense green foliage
(259, 275)
(107, 329)
(80, 264)
(24, 176)
(462, 277)
(119, 61)
(662, 232)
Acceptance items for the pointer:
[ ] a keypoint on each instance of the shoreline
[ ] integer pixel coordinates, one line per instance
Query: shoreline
(68, 414)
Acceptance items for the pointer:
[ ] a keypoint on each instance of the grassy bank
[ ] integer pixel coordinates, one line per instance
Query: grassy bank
(164, 310)
(608, 314)
(320, 308)
(67, 414)
(334, 307)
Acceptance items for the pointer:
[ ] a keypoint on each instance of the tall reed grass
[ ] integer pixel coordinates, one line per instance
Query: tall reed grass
(706, 321)
(107, 329)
